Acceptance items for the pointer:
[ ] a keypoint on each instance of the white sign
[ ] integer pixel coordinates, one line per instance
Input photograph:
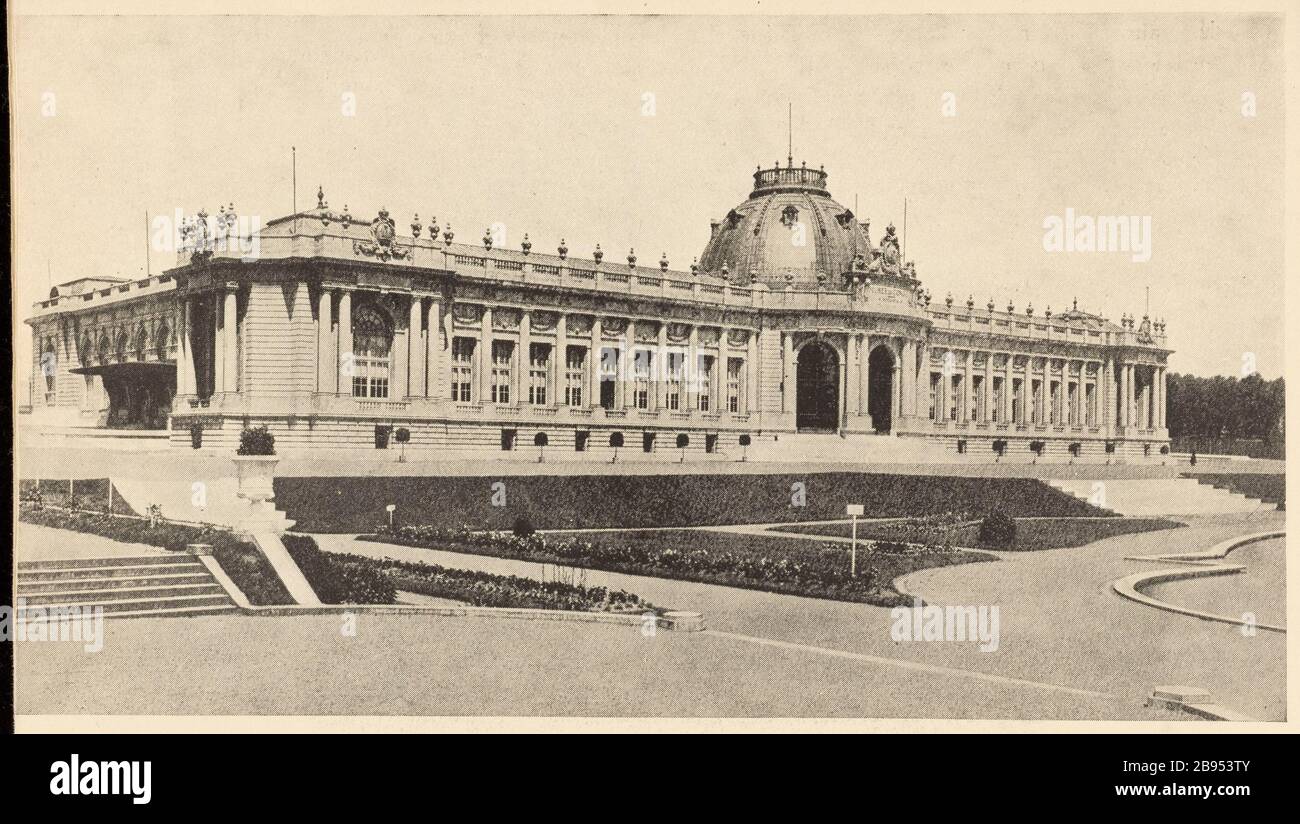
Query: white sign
(855, 509)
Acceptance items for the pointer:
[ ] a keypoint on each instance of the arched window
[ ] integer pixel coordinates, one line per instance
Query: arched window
(104, 348)
(122, 343)
(162, 340)
(372, 345)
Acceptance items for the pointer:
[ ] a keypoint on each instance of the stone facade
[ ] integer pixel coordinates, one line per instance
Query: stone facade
(339, 333)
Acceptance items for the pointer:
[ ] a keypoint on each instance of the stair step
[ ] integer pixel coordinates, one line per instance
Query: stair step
(30, 580)
(39, 571)
(174, 612)
(43, 597)
(78, 563)
(124, 605)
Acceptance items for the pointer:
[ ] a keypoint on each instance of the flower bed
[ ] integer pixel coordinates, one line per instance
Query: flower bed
(356, 579)
(1031, 533)
(773, 564)
(243, 562)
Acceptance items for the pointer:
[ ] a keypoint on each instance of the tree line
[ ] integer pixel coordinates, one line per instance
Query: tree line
(1226, 408)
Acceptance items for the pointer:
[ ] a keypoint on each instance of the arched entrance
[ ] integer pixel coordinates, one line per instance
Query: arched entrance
(880, 388)
(817, 397)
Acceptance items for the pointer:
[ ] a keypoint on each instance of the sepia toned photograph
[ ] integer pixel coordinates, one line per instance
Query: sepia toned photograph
(420, 370)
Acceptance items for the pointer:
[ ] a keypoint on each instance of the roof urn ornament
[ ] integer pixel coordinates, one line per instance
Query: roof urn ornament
(448, 234)
(726, 270)
(563, 249)
(970, 303)
(821, 279)
(663, 262)
(487, 239)
(527, 245)
(1011, 307)
(1048, 313)
(598, 255)
(631, 258)
(434, 229)
(990, 304)
(948, 300)
(1029, 310)
(320, 197)
(695, 266)
(416, 226)
(347, 217)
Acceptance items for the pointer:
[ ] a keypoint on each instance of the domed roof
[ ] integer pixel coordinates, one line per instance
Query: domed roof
(788, 230)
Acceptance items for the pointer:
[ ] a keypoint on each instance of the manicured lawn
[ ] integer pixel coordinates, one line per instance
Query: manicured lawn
(1031, 533)
(792, 566)
(357, 504)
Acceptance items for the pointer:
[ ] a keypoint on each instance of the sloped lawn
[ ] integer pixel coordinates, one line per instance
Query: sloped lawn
(1031, 533)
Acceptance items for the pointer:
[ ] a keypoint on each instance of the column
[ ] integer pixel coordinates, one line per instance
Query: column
(560, 360)
(485, 356)
(967, 387)
(661, 368)
(524, 358)
(787, 373)
(945, 387)
(852, 375)
(435, 365)
(218, 346)
(1044, 397)
(1163, 408)
(864, 375)
(416, 348)
(1107, 398)
(1008, 381)
(230, 340)
(186, 380)
(896, 386)
(1124, 386)
(343, 370)
(627, 369)
(921, 403)
(719, 377)
(751, 373)
(1146, 404)
(593, 364)
(909, 377)
(325, 356)
(986, 406)
(1080, 391)
(694, 369)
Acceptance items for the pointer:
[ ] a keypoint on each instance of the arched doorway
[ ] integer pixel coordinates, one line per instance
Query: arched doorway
(817, 396)
(880, 388)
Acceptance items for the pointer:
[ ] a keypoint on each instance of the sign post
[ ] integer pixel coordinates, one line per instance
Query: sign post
(390, 509)
(854, 510)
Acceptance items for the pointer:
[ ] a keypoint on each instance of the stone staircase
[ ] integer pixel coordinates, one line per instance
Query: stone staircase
(125, 587)
(1161, 496)
(846, 449)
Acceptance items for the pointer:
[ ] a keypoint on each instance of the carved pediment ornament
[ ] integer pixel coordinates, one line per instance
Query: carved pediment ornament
(383, 233)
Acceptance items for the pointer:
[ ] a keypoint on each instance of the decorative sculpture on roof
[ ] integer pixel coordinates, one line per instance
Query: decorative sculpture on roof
(1144, 331)
(889, 254)
(383, 233)
(790, 216)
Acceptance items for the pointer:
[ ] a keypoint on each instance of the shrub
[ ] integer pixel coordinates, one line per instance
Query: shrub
(196, 435)
(256, 441)
(998, 529)
(523, 528)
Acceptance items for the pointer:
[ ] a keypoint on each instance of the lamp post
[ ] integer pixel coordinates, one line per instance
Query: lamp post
(854, 510)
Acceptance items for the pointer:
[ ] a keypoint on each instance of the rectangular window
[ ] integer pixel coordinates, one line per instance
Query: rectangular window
(704, 382)
(998, 389)
(935, 384)
(539, 371)
(674, 378)
(1036, 402)
(462, 369)
(575, 370)
(1072, 399)
(735, 370)
(647, 442)
(580, 439)
(1054, 403)
(642, 365)
(977, 399)
(503, 354)
(609, 368)
(954, 399)
(710, 444)
(1018, 400)
(1090, 405)
(508, 440)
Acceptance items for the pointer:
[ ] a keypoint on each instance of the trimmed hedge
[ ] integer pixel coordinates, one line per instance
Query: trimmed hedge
(344, 578)
(356, 504)
(791, 566)
(243, 562)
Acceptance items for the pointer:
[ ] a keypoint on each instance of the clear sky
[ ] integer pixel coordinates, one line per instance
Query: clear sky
(542, 124)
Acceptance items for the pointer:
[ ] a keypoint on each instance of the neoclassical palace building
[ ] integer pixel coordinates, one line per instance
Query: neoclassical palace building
(342, 332)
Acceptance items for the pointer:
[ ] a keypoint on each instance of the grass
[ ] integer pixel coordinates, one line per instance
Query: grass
(242, 561)
(1031, 533)
(340, 578)
(791, 566)
(357, 504)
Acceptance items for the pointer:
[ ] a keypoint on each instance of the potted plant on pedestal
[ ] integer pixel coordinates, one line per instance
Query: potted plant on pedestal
(255, 463)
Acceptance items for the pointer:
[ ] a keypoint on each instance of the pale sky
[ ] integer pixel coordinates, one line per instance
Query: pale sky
(538, 123)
